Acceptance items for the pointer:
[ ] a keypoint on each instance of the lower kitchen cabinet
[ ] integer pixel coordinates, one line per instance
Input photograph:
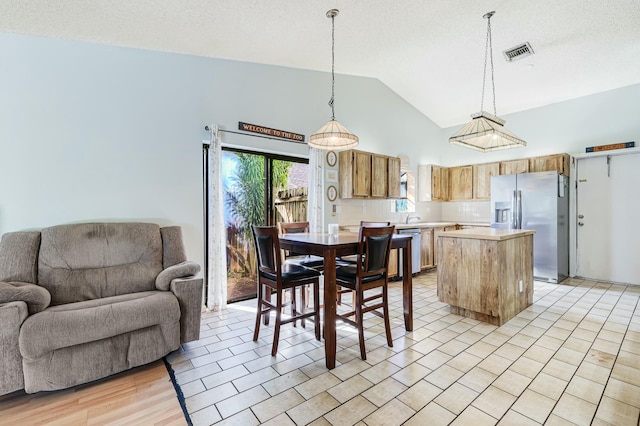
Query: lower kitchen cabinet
(436, 232)
(393, 263)
(426, 248)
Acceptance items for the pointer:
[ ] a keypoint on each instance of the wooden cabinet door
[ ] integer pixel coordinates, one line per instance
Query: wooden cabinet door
(354, 174)
(379, 176)
(345, 173)
(361, 174)
(426, 248)
(514, 166)
(393, 263)
(482, 180)
(439, 183)
(550, 163)
(461, 183)
(393, 190)
(436, 232)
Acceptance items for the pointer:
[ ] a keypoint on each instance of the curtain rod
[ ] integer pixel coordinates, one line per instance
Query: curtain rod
(208, 129)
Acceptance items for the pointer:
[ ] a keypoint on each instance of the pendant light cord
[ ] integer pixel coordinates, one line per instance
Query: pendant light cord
(333, 59)
(488, 51)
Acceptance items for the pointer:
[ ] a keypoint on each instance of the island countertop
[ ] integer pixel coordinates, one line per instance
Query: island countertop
(487, 234)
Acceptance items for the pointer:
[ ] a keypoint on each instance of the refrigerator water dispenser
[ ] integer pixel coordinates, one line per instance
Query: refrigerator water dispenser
(502, 212)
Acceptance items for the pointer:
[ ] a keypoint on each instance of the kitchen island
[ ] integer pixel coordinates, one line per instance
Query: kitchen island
(486, 273)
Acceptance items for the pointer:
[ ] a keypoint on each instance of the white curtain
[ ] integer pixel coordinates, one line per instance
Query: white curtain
(315, 197)
(217, 273)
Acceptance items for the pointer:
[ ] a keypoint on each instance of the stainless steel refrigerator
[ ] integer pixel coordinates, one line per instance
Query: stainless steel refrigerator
(537, 201)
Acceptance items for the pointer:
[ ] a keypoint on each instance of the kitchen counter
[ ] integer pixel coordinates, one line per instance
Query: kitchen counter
(489, 233)
(440, 224)
(486, 274)
(423, 225)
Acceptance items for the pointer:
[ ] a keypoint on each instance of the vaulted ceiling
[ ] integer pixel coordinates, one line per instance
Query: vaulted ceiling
(430, 52)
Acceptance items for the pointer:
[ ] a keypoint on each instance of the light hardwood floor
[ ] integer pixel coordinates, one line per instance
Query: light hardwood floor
(142, 396)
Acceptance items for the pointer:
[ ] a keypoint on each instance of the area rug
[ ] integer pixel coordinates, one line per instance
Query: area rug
(179, 393)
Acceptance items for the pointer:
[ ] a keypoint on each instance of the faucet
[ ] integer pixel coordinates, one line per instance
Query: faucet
(409, 217)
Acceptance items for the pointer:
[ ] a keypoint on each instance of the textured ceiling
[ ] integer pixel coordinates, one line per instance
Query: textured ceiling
(430, 52)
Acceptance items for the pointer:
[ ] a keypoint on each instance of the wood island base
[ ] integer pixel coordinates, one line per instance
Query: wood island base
(486, 274)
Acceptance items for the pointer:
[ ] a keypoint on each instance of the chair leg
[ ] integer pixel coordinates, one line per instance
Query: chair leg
(316, 307)
(359, 321)
(256, 331)
(266, 293)
(385, 311)
(294, 311)
(276, 329)
(303, 302)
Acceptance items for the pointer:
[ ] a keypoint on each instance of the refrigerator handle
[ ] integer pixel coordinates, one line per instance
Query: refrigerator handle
(514, 210)
(519, 202)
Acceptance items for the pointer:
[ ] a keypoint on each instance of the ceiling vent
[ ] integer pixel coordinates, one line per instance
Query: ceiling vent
(520, 51)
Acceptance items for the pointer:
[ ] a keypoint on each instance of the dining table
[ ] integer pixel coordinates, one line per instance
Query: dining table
(330, 246)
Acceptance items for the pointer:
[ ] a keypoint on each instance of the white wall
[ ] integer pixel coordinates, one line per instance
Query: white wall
(91, 132)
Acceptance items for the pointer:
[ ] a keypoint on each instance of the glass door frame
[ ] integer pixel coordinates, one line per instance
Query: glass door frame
(269, 195)
(270, 212)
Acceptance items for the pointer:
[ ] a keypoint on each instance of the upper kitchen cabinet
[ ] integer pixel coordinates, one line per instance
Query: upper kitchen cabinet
(395, 173)
(550, 163)
(439, 183)
(355, 174)
(482, 179)
(461, 183)
(433, 183)
(379, 176)
(514, 166)
(367, 175)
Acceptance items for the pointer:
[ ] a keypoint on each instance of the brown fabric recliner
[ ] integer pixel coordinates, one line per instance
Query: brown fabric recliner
(83, 301)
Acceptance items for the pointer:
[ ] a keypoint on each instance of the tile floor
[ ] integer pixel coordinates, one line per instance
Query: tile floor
(573, 357)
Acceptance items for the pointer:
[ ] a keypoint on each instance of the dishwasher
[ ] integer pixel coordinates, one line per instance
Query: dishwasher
(415, 250)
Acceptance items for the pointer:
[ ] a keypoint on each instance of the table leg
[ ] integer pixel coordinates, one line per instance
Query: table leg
(330, 307)
(407, 287)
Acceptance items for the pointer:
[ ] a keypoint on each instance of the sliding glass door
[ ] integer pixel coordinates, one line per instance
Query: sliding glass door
(259, 189)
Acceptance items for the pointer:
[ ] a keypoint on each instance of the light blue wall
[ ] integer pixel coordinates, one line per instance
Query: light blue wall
(91, 132)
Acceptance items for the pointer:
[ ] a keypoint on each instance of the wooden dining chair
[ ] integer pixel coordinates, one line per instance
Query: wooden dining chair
(310, 261)
(275, 275)
(351, 259)
(370, 272)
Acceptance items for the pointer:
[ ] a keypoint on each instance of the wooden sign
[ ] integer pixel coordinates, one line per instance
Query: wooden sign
(609, 147)
(253, 128)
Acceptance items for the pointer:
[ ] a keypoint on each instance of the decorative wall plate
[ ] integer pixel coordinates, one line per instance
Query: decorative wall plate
(332, 158)
(332, 193)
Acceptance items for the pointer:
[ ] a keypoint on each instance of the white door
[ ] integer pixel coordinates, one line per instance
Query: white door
(608, 227)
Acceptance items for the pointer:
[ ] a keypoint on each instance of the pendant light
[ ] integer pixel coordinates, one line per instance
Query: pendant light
(486, 132)
(333, 135)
